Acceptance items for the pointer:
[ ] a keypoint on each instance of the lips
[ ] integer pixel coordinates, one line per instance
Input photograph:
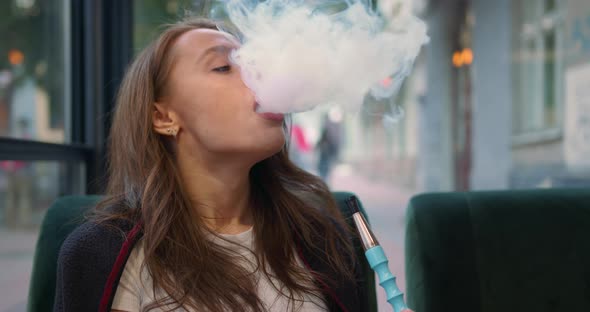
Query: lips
(272, 116)
(269, 116)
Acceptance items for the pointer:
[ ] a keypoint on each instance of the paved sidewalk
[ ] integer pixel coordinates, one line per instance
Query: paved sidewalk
(16, 260)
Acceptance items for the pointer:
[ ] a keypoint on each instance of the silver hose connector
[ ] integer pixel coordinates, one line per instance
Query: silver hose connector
(368, 239)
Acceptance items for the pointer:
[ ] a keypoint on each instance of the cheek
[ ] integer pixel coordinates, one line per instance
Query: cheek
(250, 136)
(222, 119)
(211, 128)
(216, 125)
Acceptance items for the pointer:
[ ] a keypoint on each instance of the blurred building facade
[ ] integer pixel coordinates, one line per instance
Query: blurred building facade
(498, 99)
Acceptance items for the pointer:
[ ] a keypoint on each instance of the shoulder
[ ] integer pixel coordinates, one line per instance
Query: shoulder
(93, 241)
(85, 261)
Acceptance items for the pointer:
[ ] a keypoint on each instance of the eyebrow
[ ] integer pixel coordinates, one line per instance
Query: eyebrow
(218, 49)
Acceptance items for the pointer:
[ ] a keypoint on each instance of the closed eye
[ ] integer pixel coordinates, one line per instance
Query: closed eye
(222, 69)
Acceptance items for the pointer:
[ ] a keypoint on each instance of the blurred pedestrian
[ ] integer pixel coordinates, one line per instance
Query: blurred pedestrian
(328, 148)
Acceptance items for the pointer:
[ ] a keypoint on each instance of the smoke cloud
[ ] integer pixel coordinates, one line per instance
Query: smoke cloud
(297, 54)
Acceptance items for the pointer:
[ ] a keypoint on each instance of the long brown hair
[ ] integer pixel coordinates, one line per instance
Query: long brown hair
(292, 208)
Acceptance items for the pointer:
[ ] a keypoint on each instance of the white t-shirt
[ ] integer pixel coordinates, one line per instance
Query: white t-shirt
(135, 288)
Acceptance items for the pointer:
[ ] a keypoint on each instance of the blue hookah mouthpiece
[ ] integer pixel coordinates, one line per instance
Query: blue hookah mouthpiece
(376, 257)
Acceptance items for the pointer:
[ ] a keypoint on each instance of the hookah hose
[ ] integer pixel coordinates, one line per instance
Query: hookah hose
(376, 257)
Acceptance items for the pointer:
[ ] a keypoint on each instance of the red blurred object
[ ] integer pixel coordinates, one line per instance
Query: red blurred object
(12, 166)
(386, 82)
(299, 137)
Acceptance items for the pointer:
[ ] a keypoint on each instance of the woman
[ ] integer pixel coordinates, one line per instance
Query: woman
(204, 211)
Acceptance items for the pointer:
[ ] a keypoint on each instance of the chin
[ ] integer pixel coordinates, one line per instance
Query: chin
(276, 147)
(271, 147)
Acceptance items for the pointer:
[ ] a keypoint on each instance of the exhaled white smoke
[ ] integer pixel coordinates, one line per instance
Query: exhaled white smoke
(298, 54)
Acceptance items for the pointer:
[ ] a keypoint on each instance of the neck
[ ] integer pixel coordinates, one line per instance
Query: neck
(219, 190)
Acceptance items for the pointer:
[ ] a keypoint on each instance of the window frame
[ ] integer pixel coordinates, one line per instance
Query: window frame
(532, 29)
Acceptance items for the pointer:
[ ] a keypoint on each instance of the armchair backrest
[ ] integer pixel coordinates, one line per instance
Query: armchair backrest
(499, 251)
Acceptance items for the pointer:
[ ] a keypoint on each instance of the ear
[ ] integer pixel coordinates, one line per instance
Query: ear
(164, 120)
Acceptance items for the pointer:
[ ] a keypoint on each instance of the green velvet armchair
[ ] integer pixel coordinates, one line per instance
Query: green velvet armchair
(68, 212)
(499, 251)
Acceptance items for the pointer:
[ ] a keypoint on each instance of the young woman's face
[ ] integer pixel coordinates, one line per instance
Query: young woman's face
(215, 110)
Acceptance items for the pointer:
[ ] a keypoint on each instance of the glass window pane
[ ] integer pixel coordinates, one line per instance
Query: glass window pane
(530, 103)
(537, 70)
(33, 72)
(27, 189)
